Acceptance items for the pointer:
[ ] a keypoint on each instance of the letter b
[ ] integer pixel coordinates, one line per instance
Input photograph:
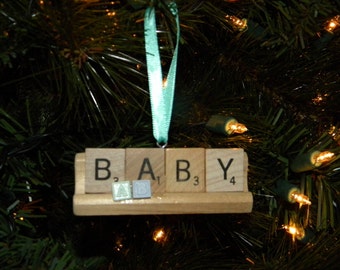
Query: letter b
(102, 171)
(182, 170)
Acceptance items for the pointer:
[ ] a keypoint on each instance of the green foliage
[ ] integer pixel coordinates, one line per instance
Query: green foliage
(73, 75)
(44, 253)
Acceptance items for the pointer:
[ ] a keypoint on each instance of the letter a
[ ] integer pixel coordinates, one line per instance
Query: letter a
(146, 163)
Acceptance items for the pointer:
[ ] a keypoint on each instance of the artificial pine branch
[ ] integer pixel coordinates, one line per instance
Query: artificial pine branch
(74, 77)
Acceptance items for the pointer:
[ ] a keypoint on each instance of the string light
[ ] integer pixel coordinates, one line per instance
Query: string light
(18, 217)
(159, 236)
(236, 23)
(333, 24)
(297, 232)
(330, 27)
(301, 199)
(303, 235)
(225, 125)
(111, 13)
(237, 128)
(310, 160)
(335, 133)
(323, 157)
(317, 100)
(291, 193)
(332, 131)
(119, 244)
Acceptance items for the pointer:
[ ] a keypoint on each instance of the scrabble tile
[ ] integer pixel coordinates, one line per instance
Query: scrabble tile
(103, 167)
(146, 164)
(121, 190)
(141, 189)
(185, 170)
(225, 170)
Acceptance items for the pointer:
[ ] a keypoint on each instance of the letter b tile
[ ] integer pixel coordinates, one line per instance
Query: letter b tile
(185, 169)
(104, 166)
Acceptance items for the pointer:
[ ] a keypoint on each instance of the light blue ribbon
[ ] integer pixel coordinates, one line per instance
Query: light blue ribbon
(161, 97)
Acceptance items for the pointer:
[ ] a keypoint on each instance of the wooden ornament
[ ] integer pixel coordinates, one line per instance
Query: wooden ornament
(111, 167)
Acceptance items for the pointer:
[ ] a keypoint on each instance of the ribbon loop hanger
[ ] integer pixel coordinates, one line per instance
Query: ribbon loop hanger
(161, 91)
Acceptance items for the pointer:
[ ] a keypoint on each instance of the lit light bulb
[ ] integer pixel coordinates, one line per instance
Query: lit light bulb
(332, 131)
(310, 160)
(159, 236)
(291, 193)
(119, 244)
(15, 215)
(317, 100)
(335, 133)
(237, 128)
(225, 125)
(301, 199)
(323, 157)
(111, 13)
(333, 24)
(236, 23)
(297, 232)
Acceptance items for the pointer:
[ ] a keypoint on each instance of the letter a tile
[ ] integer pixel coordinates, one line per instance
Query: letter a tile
(185, 170)
(103, 167)
(146, 164)
(121, 190)
(226, 170)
